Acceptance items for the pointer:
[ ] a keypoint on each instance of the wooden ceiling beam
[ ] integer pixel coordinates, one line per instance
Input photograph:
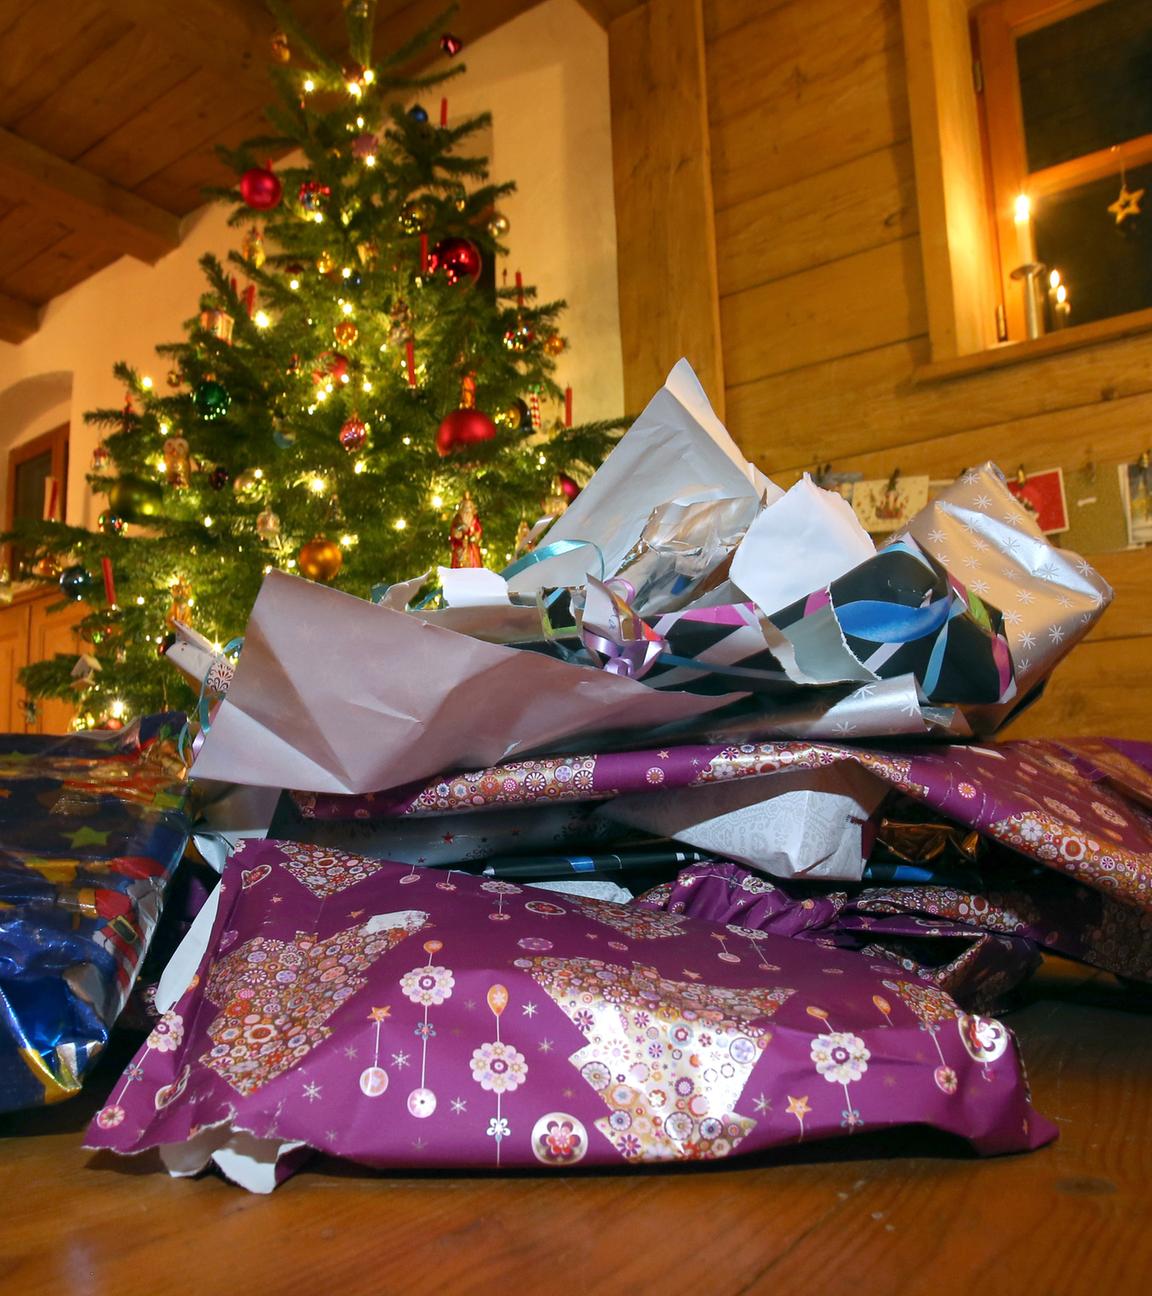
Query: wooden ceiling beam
(113, 216)
(18, 319)
(230, 37)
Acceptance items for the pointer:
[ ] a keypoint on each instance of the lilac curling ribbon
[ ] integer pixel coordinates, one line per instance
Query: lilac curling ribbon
(633, 659)
(216, 679)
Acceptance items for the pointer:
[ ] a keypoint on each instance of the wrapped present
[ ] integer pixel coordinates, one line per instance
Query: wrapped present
(91, 829)
(399, 1018)
(682, 593)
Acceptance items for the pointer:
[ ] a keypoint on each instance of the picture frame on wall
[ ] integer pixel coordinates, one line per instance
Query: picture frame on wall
(1042, 495)
(1136, 487)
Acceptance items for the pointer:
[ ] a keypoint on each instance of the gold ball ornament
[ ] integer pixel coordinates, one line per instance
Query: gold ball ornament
(345, 333)
(416, 216)
(498, 225)
(281, 50)
(245, 482)
(554, 344)
(320, 559)
(325, 262)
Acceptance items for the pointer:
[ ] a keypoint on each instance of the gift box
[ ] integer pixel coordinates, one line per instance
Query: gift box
(91, 828)
(399, 1018)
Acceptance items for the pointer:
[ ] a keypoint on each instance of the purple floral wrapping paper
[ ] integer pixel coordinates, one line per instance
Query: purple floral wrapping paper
(400, 1018)
(1078, 806)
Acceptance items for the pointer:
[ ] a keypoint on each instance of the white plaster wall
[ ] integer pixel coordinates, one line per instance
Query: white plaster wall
(544, 78)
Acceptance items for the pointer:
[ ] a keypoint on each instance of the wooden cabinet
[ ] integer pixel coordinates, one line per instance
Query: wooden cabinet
(29, 632)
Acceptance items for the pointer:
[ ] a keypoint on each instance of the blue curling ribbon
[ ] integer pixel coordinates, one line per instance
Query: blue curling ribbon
(183, 742)
(552, 550)
(881, 622)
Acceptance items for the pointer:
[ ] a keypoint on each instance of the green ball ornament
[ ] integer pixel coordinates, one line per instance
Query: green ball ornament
(133, 498)
(76, 581)
(211, 399)
(110, 523)
(416, 216)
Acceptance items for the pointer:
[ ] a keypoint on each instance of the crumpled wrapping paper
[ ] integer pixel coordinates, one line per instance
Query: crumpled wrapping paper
(945, 631)
(91, 828)
(401, 1019)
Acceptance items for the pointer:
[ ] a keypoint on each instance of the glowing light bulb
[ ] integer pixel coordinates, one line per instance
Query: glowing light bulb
(322, 394)
(347, 308)
(370, 159)
(117, 709)
(366, 385)
(317, 485)
(294, 284)
(258, 473)
(318, 217)
(400, 524)
(309, 86)
(369, 76)
(407, 440)
(261, 319)
(290, 563)
(146, 383)
(359, 466)
(163, 429)
(437, 501)
(344, 379)
(360, 122)
(347, 272)
(207, 520)
(347, 541)
(139, 600)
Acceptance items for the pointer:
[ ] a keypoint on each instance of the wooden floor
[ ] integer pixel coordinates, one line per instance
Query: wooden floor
(917, 1215)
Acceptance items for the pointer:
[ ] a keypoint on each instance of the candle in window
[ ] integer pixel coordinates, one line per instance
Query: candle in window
(1063, 307)
(1022, 214)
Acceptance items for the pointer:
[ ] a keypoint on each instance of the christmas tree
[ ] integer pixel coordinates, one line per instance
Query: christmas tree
(357, 400)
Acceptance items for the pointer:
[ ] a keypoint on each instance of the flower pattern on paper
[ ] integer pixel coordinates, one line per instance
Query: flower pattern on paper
(326, 872)
(276, 997)
(639, 924)
(840, 1057)
(428, 985)
(560, 778)
(559, 1139)
(498, 1067)
(670, 1059)
(168, 1033)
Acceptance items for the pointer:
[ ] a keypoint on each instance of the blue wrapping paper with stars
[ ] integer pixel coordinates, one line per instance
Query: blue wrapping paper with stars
(92, 827)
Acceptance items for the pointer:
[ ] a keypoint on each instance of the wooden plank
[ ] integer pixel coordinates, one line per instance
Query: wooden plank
(664, 210)
(181, 183)
(851, 208)
(958, 244)
(1101, 689)
(106, 211)
(1099, 434)
(870, 400)
(860, 302)
(722, 16)
(46, 47)
(69, 261)
(800, 102)
(1129, 572)
(18, 319)
(119, 83)
(25, 232)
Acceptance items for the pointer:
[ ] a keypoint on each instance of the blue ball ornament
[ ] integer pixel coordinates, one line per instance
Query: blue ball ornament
(76, 581)
(418, 113)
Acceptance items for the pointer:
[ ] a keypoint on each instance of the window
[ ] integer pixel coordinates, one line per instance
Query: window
(1066, 108)
(37, 485)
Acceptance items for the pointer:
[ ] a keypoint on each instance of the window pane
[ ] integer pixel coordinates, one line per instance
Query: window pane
(1086, 82)
(1107, 268)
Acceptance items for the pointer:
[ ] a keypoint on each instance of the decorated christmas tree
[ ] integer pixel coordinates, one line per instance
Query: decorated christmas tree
(362, 394)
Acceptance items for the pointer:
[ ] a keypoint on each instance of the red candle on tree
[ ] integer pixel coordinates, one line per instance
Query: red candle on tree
(567, 406)
(109, 582)
(410, 351)
(519, 290)
(423, 253)
(443, 112)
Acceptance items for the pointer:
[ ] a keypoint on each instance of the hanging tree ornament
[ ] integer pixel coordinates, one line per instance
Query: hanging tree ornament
(400, 328)
(417, 215)
(110, 523)
(76, 581)
(100, 457)
(458, 259)
(260, 188)
(177, 461)
(320, 559)
(211, 399)
(219, 323)
(175, 378)
(281, 50)
(450, 44)
(219, 477)
(353, 433)
(311, 195)
(345, 332)
(1127, 205)
(180, 608)
(252, 247)
(465, 534)
(554, 344)
(419, 114)
(498, 225)
(268, 527)
(515, 416)
(464, 426)
(325, 262)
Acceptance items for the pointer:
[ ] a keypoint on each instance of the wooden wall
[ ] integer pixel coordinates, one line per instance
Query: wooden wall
(824, 319)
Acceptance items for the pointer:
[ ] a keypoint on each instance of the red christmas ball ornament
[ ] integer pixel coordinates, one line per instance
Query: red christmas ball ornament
(568, 487)
(450, 44)
(260, 188)
(331, 365)
(353, 433)
(463, 427)
(458, 259)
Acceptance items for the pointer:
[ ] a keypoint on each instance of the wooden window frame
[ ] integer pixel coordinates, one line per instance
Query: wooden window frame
(55, 441)
(997, 26)
(957, 239)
